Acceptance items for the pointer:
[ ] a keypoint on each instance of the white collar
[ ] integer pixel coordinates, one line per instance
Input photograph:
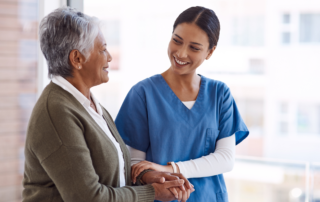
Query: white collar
(67, 86)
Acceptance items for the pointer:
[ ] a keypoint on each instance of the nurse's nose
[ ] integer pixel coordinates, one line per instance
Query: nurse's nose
(182, 52)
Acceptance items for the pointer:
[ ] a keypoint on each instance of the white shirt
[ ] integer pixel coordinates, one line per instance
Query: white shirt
(189, 104)
(218, 162)
(98, 117)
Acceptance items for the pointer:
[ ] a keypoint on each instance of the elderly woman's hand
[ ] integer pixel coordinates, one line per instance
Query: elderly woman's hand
(182, 193)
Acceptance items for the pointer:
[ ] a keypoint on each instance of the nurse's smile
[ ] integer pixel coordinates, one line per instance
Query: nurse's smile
(180, 63)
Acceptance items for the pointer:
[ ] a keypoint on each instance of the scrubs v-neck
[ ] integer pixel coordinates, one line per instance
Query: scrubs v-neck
(152, 119)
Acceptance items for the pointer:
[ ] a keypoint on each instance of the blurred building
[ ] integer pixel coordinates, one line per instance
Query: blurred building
(18, 89)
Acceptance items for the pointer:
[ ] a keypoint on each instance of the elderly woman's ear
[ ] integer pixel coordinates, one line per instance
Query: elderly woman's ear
(76, 59)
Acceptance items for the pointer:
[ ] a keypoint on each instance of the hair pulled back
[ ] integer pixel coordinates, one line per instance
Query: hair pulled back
(204, 18)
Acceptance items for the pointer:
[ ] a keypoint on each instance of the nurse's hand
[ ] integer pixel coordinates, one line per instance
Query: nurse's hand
(161, 177)
(183, 191)
(136, 169)
(163, 193)
(182, 195)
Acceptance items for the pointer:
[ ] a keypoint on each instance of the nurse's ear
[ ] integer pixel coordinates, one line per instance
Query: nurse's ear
(210, 52)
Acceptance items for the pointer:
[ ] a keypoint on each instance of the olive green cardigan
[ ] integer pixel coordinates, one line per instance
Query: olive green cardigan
(69, 158)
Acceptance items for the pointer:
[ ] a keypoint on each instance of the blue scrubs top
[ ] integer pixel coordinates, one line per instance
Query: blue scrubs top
(153, 119)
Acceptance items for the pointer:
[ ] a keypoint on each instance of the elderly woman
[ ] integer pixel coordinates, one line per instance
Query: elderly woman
(73, 150)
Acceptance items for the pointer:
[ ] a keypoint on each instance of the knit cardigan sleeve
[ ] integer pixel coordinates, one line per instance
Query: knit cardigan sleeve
(57, 142)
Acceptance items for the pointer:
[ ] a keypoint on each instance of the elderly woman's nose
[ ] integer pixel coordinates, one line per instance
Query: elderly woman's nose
(109, 57)
(182, 52)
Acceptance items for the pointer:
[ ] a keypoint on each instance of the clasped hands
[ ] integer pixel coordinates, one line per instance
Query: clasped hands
(168, 186)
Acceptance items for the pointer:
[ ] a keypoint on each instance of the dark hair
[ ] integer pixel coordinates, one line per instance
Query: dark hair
(205, 18)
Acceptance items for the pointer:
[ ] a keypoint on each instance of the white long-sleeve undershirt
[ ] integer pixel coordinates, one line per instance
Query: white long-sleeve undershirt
(218, 162)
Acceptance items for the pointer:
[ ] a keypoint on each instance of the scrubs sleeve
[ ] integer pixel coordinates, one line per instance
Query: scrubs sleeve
(230, 121)
(132, 121)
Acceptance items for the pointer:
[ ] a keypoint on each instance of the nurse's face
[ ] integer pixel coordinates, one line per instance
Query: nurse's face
(188, 48)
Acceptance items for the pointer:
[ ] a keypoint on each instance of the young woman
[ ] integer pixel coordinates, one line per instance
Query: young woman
(184, 119)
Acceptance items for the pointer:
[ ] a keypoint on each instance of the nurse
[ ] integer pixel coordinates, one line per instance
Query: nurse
(180, 121)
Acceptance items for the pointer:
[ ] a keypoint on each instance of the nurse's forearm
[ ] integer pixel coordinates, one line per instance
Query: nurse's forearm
(221, 161)
(136, 155)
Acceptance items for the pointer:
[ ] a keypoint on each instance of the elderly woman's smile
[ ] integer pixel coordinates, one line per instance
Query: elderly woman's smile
(105, 69)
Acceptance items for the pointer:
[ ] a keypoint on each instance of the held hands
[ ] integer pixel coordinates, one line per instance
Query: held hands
(163, 192)
(167, 185)
(136, 169)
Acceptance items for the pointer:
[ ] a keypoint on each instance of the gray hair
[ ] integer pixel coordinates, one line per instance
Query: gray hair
(62, 31)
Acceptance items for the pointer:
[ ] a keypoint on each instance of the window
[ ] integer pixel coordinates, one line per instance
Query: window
(252, 113)
(28, 11)
(286, 18)
(288, 28)
(284, 123)
(308, 119)
(256, 66)
(248, 31)
(284, 108)
(310, 28)
(28, 50)
(286, 37)
(283, 127)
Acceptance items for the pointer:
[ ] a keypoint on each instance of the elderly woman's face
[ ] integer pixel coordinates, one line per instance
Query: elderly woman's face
(95, 69)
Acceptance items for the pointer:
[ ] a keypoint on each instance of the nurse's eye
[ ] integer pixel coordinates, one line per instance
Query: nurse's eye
(194, 48)
(175, 40)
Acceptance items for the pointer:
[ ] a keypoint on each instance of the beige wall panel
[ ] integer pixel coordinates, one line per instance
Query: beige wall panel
(8, 102)
(12, 127)
(9, 114)
(9, 48)
(9, 194)
(8, 61)
(10, 140)
(8, 180)
(9, 88)
(9, 166)
(9, 22)
(8, 8)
